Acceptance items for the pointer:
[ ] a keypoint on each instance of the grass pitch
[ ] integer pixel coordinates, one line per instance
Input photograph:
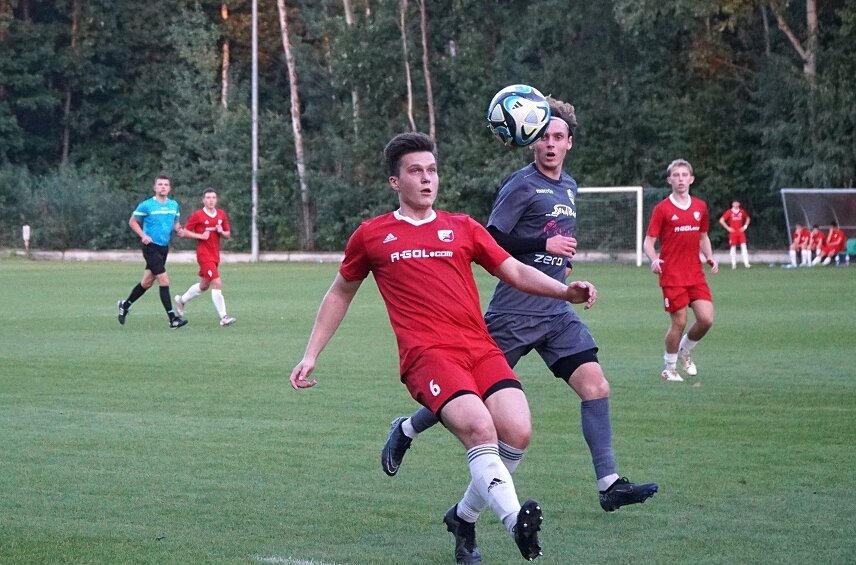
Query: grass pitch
(139, 444)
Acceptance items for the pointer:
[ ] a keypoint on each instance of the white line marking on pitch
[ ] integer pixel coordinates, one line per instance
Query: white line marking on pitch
(276, 560)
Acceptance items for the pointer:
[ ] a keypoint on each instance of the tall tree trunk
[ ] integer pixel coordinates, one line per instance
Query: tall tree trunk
(766, 21)
(807, 52)
(305, 204)
(426, 70)
(402, 24)
(355, 97)
(66, 111)
(224, 69)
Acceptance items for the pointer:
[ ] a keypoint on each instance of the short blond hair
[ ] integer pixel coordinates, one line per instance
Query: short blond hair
(679, 163)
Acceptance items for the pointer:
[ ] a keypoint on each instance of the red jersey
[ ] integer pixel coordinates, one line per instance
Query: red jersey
(835, 241)
(679, 231)
(424, 274)
(801, 236)
(735, 220)
(817, 239)
(200, 221)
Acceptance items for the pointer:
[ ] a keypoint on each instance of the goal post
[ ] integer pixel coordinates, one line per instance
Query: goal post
(809, 206)
(609, 222)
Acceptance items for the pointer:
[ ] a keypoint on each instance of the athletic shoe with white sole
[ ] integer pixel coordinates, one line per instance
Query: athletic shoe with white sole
(466, 550)
(671, 375)
(393, 450)
(526, 530)
(122, 311)
(687, 362)
(227, 321)
(177, 322)
(179, 305)
(622, 492)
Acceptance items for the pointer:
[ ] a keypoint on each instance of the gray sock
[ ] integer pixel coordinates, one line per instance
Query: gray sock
(422, 419)
(598, 434)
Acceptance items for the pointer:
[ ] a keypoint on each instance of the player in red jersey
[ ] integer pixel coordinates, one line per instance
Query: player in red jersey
(421, 261)
(799, 243)
(836, 242)
(207, 225)
(735, 220)
(816, 243)
(680, 222)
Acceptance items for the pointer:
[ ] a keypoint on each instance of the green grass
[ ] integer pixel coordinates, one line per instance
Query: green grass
(138, 444)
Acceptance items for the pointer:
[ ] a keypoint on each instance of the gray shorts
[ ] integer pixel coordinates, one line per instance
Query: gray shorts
(553, 337)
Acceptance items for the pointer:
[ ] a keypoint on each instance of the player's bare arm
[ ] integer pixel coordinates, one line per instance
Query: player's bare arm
(532, 281)
(138, 229)
(707, 251)
(651, 253)
(332, 311)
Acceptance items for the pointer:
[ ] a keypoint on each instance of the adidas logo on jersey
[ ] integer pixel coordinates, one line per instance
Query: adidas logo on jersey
(674, 217)
(389, 237)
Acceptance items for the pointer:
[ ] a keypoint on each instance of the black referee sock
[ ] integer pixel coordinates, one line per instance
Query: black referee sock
(167, 302)
(135, 295)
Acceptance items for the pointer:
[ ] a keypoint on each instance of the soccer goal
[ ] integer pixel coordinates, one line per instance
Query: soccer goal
(609, 222)
(809, 206)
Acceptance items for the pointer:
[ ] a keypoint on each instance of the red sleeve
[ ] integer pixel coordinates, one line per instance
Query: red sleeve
(226, 225)
(192, 222)
(486, 251)
(704, 225)
(656, 223)
(724, 215)
(355, 265)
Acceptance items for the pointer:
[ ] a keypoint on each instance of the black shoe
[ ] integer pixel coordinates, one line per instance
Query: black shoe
(526, 530)
(623, 492)
(122, 311)
(466, 550)
(177, 322)
(393, 450)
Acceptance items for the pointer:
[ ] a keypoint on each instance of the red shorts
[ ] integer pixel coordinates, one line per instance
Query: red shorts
(679, 297)
(441, 374)
(736, 237)
(208, 270)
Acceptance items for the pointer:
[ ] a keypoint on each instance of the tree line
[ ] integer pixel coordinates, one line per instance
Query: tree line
(97, 97)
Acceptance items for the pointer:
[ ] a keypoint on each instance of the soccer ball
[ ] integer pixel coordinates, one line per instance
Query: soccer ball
(518, 115)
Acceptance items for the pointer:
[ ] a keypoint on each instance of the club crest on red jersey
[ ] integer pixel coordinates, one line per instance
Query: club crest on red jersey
(446, 235)
(697, 215)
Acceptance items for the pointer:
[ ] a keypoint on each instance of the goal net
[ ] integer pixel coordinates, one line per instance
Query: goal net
(810, 206)
(609, 223)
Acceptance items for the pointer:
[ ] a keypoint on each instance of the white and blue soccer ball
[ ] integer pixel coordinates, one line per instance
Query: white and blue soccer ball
(518, 115)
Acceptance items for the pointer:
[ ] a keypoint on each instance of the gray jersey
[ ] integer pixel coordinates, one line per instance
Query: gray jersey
(530, 205)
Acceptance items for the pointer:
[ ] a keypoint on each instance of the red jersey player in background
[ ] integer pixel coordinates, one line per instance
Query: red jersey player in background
(799, 243)
(421, 261)
(207, 225)
(816, 242)
(680, 222)
(836, 242)
(735, 220)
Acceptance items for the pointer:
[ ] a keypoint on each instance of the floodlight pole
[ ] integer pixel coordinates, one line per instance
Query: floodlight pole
(254, 229)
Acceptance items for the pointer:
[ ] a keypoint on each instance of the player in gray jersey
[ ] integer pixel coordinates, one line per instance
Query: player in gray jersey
(533, 218)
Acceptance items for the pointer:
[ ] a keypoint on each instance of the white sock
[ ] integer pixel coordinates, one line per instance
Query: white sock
(191, 293)
(745, 253)
(733, 253)
(806, 257)
(686, 344)
(670, 360)
(472, 504)
(493, 483)
(219, 302)
(604, 483)
(408, 429)
(793, 255)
